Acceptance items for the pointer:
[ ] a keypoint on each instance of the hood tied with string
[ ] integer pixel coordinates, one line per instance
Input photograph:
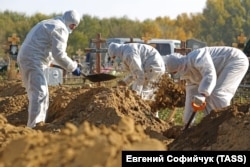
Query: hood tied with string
(71, 17)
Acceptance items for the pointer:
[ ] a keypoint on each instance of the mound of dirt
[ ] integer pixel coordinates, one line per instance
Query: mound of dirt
(74, 146)
(222, 130)
(85, 122)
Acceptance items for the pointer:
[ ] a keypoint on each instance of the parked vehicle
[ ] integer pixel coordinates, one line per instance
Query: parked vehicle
(165, 46)
(123, 40)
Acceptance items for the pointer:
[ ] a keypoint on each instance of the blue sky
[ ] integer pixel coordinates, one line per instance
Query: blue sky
(133, 9)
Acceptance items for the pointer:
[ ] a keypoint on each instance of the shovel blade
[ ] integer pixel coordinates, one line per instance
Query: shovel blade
(99, 77)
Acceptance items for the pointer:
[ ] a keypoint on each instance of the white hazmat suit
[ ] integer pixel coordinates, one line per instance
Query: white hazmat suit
(212, 72)
(47, 36)
(143, 62)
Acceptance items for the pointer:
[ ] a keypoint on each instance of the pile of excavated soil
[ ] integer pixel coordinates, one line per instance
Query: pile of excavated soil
(85, 122)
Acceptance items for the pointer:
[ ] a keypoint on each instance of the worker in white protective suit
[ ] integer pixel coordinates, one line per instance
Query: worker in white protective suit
(144, 64)
(47, 36)
(212, 75)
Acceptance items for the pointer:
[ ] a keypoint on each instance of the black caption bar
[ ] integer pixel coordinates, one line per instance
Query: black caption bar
(186, 158)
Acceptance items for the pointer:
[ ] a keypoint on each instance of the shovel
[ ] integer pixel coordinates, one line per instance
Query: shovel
(99, 77)
(93, 77)
(195, 109)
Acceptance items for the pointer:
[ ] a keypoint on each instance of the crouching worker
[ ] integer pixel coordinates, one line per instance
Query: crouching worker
(144, 64)
(47, 36)
(212, 75)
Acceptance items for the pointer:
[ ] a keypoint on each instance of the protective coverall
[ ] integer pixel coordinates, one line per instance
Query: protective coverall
(47, 36)
(215, 72)
(143, 62)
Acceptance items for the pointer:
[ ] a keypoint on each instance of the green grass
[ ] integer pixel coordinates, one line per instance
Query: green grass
(177, 119)
(242, 95)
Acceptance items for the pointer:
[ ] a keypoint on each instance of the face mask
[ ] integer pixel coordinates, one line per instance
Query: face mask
(69, 30)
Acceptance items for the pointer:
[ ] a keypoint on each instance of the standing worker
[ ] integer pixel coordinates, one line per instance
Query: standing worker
(33, 58)
(212, 75)
(144, 64)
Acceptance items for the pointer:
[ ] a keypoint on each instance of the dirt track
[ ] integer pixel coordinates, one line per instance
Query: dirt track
(99, 122)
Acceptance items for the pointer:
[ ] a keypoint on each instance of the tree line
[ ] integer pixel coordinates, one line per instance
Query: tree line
(220, 23)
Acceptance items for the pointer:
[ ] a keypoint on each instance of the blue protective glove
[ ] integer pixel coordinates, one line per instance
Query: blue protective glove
(77, 72)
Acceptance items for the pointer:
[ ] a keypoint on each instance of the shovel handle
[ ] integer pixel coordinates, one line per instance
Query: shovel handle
(190, 120)
(196, 108)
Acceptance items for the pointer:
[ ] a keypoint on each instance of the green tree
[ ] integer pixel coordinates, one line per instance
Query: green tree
(151, 29)
(223, 21)
(123, 27)
(246, 18)
(166, 25)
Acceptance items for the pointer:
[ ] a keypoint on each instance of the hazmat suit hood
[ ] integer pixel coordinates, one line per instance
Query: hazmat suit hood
(175, 63)
(71, 17)
(114, 50)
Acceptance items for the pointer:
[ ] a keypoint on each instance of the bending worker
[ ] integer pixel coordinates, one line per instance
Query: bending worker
(212, 75)
(33, 58)
(144, 64)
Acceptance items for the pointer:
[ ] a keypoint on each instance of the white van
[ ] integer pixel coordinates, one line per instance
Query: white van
(123, 40)
(165, 46)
